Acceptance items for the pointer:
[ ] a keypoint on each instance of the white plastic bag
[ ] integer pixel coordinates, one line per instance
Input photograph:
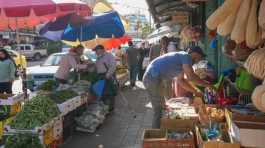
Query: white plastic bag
(146, 62)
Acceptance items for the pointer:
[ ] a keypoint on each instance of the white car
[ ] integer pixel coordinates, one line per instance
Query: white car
(36, 75)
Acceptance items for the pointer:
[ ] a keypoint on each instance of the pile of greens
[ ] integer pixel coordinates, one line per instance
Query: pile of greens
(49, 85)
(89, 76)
(62, 96)
(23, 141)
(35, 113)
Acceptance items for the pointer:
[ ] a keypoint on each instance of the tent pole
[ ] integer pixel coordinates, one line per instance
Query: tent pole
(23, 70)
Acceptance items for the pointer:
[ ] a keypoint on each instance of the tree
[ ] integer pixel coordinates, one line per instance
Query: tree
(146, 30)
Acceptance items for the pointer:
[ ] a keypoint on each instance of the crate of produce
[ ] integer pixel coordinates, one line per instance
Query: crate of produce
(154, 138)
(7, 111)
(45, 133)
(10, 99)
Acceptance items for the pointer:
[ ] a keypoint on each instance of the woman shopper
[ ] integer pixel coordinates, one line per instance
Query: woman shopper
(7, 73)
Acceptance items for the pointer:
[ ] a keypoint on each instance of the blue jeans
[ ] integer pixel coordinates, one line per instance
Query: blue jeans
(134, 70)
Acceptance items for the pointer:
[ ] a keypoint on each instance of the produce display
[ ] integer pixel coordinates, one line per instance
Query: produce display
(62, 95)
(240, 19)
(35, 113)
(255, 63)
(80, 87)
(49, 85)
(88, 76)
(23, 141)
(92, 117)
(4, 111)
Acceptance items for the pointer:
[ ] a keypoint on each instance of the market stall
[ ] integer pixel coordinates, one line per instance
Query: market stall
(231, 115)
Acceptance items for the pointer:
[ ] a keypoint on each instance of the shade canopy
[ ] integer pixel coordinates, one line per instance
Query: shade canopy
(29, 13)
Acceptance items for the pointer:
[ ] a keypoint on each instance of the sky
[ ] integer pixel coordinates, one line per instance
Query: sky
(130, 6)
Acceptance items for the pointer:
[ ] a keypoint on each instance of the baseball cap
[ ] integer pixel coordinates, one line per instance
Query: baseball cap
(98, 47)
(196, 49)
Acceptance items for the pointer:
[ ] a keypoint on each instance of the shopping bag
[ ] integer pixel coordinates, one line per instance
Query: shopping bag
(98, 88)
(146, 62)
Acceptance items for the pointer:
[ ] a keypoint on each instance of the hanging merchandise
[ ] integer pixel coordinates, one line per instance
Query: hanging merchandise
(262, 15)
(222, 13)
(239, 19)
(255, 63)
(258, 97)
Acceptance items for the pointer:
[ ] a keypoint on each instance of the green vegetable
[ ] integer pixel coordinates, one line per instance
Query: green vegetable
(62, 96)
(89, 76)
(23, 141)
(35, 113)
(4, 111)
(48, 85)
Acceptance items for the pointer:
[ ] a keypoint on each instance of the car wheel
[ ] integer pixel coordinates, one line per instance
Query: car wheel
(37, 57)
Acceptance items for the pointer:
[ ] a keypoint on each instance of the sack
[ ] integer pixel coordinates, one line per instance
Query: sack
(146, 62)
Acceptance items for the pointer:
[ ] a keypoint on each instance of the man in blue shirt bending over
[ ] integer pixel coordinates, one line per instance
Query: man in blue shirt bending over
(169, 66)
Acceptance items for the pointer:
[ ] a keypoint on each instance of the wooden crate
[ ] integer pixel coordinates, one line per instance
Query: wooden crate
(154, 138)
(213, 144)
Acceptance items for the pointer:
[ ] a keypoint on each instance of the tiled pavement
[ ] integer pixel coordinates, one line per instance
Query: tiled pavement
(121, 129)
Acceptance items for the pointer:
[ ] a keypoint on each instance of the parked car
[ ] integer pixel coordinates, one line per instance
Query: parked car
(36, 75)
(30, 51)
(19, 59)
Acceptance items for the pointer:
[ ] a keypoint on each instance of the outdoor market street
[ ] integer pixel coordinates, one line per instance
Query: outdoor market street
(121, 129)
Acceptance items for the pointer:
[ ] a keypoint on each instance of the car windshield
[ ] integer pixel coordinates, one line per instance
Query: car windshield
(89, 54)
(53, 60)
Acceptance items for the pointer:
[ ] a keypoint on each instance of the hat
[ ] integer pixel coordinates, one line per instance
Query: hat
(98, 47)
(196, 49)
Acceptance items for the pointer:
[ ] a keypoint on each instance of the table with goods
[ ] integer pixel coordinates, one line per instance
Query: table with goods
(52, 115)
(232, 115)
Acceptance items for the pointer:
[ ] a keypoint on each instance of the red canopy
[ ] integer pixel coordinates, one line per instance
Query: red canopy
(116, 42)
(29, 13)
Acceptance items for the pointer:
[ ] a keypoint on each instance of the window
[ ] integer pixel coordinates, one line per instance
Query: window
(27, 48)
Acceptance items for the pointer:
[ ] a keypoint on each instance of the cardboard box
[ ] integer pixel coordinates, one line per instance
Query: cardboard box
(213, 144)
(167, 123)
(249, 134)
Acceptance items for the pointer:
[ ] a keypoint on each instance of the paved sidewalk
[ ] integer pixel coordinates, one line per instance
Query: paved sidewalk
(121, 129)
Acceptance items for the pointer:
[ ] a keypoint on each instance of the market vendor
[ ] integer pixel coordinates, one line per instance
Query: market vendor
(201, 66)
(106, 67)
(71, 60)
(169, 66)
